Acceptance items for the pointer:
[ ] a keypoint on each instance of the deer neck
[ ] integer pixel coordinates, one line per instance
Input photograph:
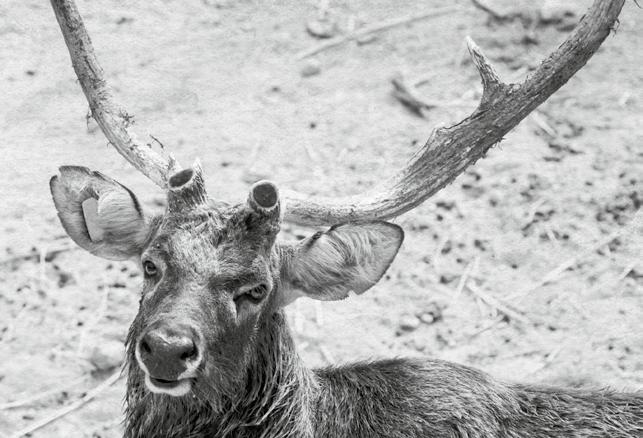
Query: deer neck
(276, 401)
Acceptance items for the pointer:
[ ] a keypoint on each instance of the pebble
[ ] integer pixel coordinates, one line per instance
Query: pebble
(427, 318)
(108, 355)
(321, 28)
(408, 323)
(312, 67)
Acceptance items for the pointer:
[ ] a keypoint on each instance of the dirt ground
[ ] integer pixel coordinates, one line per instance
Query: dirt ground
(528, 266)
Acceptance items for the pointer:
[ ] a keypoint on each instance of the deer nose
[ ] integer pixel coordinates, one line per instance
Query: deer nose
(167, 352)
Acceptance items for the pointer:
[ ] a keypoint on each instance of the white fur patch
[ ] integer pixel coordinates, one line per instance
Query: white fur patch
(118, 215)
(183, 387)
(90, 213)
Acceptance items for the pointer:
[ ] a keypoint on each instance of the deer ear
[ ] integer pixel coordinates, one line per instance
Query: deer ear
(99, 214)
(349, 257)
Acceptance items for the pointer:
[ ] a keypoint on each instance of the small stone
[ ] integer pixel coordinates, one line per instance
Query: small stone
(427, 318)
(312, 67)
(431, 313)
(322, 28)
(247, 26)
(564, 14)
(107, 356)
(408, 323)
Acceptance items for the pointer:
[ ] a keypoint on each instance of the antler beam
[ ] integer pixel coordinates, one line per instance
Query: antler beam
(112, 119)
(449, 151)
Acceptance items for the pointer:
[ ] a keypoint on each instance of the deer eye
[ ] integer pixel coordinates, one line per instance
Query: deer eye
(149, 268)
(254, 294)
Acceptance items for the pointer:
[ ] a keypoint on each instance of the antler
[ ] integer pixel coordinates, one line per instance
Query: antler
(112, 119)
(447, 153)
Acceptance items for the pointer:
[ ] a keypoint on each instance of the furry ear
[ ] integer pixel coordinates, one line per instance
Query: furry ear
(349, 257)
(98, 213)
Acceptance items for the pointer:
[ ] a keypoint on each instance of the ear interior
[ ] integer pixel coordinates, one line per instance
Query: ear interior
(346, 258)
(99, 214)
(90, 214)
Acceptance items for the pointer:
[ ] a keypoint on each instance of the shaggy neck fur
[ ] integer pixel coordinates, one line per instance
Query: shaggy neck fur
(274, 401)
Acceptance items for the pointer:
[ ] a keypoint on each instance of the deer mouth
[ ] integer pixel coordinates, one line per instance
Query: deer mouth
(162, 383)
(175, 388)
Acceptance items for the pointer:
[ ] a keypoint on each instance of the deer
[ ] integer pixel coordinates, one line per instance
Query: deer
(210, 353)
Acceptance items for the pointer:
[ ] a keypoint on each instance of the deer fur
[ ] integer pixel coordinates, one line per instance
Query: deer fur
(251, 382)
(395, 398)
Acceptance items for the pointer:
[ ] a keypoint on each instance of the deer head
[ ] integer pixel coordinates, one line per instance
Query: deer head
(212, 272)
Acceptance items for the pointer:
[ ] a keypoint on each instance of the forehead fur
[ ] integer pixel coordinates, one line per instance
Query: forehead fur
(197, 236)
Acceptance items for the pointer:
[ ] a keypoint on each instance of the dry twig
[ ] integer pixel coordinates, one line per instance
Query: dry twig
(326, 354)
(41, 395)
(548, 360)
(464, 279)
(408, 96)
(483, 6)
(388, 24)
(69, 408)
(555, 273)
(497, 304)
(486, 327)
(540, 120)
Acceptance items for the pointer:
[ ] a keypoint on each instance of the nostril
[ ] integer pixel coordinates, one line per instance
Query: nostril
(190, 352)
(145, 346)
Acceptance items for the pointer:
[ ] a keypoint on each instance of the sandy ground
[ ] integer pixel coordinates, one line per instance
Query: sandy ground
(219, 80)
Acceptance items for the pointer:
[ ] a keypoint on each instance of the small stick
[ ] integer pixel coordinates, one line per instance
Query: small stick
(486, 8)
(388, 24)
(486, 328)
(615, 281)
(542, 123)
(326, 354)
(421, 80)
(463, 281)
(157, 141)
(550, 234)
(497, 304)
(533, 210)
(69, 408)
(629, 268)
(45, 394)
(312, 155)
(549, 358)
(555, 273)
(408, 96)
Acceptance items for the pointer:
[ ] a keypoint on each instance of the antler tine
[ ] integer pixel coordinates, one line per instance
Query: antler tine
(449, 151)
(112, 119)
